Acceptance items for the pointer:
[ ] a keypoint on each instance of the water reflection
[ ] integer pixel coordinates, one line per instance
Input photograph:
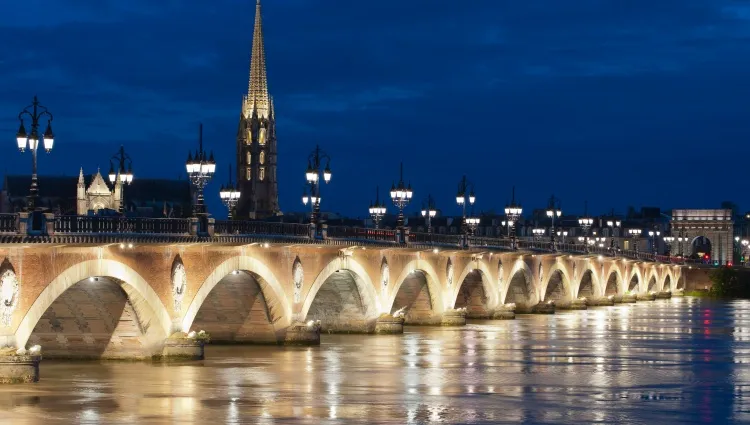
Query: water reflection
(673, 361)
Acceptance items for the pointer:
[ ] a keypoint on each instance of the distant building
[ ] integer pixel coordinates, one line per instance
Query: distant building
(70, 195)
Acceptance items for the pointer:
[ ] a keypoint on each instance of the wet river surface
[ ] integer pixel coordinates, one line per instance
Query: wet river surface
(683, 360)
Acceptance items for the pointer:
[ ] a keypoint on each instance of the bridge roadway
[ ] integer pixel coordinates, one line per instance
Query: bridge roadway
(99, 287)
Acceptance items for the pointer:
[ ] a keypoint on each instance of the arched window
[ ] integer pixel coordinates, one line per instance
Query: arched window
(249, 173)
(249, 158)
(262, 157)
(262, 136)
(262, 173)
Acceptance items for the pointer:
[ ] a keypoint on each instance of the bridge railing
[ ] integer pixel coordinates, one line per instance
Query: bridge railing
(8, 223)
(345, 232)
(239, 227)
(435, 239)
(78, 224)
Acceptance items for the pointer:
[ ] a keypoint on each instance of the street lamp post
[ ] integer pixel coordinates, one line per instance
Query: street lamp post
(377, 210)
(613, 224)
(230, 195)
(122, 176)
(401, 196)
(680, 241)
(538, 233)
(563, 233)
(35, 112)
(429, 212)
(635, 234)
(465, 195)
(654, 235)
(553, 210)
(745, 244)
(513, 212)
(586, 222)
(200, 169)
(312, 174)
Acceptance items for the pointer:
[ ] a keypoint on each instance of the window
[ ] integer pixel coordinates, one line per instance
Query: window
(248, 173)
(262, 136)
(262, 157)
(249, 138)
(249, 158)
(262, 173)
(627, 245)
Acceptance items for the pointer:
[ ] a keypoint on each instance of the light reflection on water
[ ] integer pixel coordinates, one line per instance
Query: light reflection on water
(676, 361)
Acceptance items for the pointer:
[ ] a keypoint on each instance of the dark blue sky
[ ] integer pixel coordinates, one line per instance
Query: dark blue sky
(622, 102)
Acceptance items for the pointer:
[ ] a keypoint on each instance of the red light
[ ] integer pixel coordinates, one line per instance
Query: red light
(706, 257)
(729, 263)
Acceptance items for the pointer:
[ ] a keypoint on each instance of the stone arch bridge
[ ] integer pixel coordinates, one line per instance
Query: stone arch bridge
(120, 295)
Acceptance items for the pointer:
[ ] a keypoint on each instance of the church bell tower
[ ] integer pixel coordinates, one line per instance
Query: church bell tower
(256, 138)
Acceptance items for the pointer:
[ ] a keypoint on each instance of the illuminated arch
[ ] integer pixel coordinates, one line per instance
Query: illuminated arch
(151, 309)
(370, 300)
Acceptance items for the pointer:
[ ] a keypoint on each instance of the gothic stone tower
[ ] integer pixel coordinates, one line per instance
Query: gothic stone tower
(256, 138)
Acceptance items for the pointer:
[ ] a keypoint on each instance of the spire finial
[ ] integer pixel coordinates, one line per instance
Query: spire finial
(257, 89)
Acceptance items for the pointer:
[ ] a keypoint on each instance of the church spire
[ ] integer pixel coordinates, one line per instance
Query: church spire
(257, 90)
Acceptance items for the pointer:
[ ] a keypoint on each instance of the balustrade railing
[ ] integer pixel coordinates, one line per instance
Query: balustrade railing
(238, 227)
(77, 224)
(345, 232)
(8, 223)
(73, 224)
(435, 238)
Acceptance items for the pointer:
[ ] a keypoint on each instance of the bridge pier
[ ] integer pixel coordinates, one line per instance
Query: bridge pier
(18, 366)
(505, 312)
(651, 296)
(664, 295)
(577, 304)
(454, 317)
(300, 333)
(601, 301)
(625, 299)
(389, 325)
(541, 308)
(181, 346)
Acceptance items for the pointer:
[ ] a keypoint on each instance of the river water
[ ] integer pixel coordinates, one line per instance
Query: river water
(677, 361)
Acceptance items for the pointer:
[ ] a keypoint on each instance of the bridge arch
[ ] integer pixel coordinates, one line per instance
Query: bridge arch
(589, 283)
(418, 291)
(653, 281)
(556, 286)
(614, 285)
(342, 297)
(667, 284)
(520, 287)
(476, 290)
(635, 281)
(254, 283)
(120, 284)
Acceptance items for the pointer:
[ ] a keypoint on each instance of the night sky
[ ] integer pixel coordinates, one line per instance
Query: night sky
(616, 102)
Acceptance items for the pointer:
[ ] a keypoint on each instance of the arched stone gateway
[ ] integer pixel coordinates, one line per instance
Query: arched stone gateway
(236, 311)
(415, 300)
(472, 296)
(96, 309)
(343, 298)
(586, 287)
(613, 284)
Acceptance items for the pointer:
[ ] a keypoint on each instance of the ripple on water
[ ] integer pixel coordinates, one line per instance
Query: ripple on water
(668, 361)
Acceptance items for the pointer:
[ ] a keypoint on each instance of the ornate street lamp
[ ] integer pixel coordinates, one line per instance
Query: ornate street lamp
(429, 212)
(200, 169)
(465, 195)
(745, 244)
(401, 196)
(472, 223)
(377, 209)
(635, 234)
(654, 235)
(35, 112)
(230, 195)
(585, 222)
(312, 175)
(513, 212)
(553, 210)
(563, 233)
(538, 233)
(612, 224)
(123, 175)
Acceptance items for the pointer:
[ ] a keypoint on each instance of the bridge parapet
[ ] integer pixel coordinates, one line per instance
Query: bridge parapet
(18, 228)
